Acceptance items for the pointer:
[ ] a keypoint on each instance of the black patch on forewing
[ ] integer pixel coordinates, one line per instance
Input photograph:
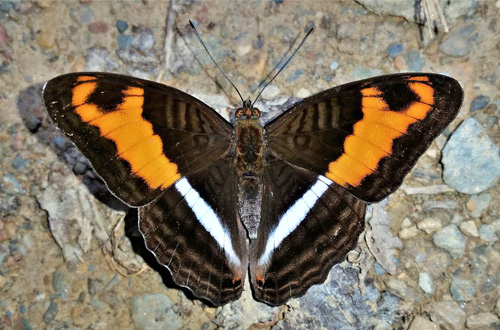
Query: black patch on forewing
(398, 95)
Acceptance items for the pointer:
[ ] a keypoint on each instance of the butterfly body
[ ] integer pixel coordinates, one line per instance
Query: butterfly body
(284, 200)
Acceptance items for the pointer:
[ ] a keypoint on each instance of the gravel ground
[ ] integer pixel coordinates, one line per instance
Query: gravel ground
(70, 256)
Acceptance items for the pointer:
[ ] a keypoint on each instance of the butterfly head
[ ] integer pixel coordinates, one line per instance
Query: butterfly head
(247, 111)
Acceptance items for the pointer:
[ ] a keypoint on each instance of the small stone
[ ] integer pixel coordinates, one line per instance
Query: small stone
(394, 50)
(409, 232)
(429, 225)
(414, 60)
(94, 285)
(243, 50)
(469, 228)
(51, 312)
(487, 233)
(450, 239)
(477, 204)
(462, 289)
(479, 103)
(471, 161)
(46, 39)
(334, 65)
(122, 26)
(98, 27)
(482, 321)
(426, 283)
(406, 223)
(422, 323)
(459, 43)
(124, 40)
(396, 287)
(271, 92)
(447, 314)
(303, 93)
(57, 280)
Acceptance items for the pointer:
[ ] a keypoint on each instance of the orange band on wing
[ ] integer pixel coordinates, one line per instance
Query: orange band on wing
(373, 136)
(132, 134)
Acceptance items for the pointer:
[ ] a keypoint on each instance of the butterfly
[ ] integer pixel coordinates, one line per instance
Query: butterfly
(285, 200)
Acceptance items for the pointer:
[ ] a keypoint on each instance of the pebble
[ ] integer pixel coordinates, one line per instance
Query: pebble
(51, 312)
(98, 27)
(470, 159)
(461, 289)
(379, 270)
(429, 225)
(243, 50)
(458, 43)
(57, 280)
(396, 287)
(487, 233)
(122, 26)
(414, 60)
(497, 307)
(296, 75)
(394, 50)
(19, 163)
(450, 239)
(469, 228)
(482, 321)
(426, 283)
(478, 203)
(409, 232)
(334, 65)
(154, 311)
(447, 314)
(422, 323)
(124, 40)
(303, 93)
(3, 281)
(479, 103)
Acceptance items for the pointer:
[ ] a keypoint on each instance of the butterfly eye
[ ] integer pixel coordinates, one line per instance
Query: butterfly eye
(238, 113)
(255, 113)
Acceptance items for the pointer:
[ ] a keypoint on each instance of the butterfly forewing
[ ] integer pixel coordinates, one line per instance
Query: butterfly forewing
(140, 136)
(367, 135)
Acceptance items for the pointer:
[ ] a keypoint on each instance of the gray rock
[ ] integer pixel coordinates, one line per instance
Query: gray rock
(57, 280)
(482, 321)
(479, 103)
(51, 312)
(447, 314)
(426, 283)
(154, 311)
(98, 59)
(462, 289)
(469, 228)
(471, 161)
(422, 323)
(450, 239)
(458, 43)
(497, 307)
(481, 202)
(487, 233)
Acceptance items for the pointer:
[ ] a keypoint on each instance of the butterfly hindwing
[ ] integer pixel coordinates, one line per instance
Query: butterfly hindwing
(194, 233)
(140, 136)
(308, 224)
(367, 135)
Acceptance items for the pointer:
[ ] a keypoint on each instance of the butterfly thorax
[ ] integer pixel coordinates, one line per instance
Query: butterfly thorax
(249, 147)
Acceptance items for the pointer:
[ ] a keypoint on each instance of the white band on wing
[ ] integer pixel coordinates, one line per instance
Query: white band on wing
(294, 216)
(208, 219)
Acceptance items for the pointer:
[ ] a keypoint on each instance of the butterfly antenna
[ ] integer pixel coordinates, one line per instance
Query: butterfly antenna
(284, 65)
(217, 65)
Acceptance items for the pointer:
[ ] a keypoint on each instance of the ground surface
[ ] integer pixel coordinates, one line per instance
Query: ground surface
(430, 256)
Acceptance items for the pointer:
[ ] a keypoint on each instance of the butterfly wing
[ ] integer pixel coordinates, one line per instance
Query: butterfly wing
(212, 266)
(327, 153)
(307, 225)
(164, 151)
(367, 135)
(140, 136)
